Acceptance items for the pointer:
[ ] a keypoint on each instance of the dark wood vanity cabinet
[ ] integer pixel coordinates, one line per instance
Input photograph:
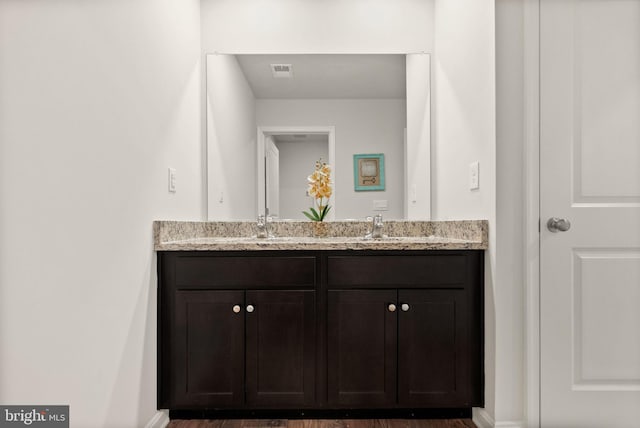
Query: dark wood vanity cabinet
(405, 329)
(236, 331)
(405, 347)
(320, 330)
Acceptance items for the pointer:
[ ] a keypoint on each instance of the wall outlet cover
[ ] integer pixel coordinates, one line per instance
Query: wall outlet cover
(380, 205)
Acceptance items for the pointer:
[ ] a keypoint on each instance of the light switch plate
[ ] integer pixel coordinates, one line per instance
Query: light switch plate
(172, 180)
(474, 175)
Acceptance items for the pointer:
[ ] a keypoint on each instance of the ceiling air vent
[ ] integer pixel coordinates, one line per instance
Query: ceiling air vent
(282, 70)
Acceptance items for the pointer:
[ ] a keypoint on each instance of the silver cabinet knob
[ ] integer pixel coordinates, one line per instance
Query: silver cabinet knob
(391, 307)
(236, 309)
(404, 307)
(250, 308)
(556, 224)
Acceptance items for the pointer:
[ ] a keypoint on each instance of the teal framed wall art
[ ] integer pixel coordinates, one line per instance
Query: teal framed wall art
(368, 172)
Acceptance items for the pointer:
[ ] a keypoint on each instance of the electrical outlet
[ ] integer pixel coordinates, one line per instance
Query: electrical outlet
(380, 205)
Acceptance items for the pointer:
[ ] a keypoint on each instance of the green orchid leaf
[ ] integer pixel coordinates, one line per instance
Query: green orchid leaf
(322, 210)
(325, 210)
(308, 216)
(315, 214)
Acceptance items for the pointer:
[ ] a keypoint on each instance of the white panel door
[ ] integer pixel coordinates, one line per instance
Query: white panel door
(590, 175)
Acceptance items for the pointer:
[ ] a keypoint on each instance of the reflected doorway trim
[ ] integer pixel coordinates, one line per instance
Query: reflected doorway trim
(264, 131)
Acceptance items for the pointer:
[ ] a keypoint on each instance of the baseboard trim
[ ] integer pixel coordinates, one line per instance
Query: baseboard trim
(159, 420)
(510, 424)
(482, 419)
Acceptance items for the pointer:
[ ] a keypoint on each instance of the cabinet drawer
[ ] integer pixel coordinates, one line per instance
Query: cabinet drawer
(371, 271)
(202, 272)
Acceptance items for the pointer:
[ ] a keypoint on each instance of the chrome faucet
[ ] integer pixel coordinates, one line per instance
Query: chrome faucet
(376, 231)
(376, 227)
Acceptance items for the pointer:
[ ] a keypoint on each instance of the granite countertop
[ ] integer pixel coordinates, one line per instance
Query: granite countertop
(341, 235)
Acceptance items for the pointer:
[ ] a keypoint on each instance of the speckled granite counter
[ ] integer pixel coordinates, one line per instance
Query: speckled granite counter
(341, 235)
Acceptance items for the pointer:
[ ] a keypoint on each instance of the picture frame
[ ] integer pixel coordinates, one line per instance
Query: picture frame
(368, 172)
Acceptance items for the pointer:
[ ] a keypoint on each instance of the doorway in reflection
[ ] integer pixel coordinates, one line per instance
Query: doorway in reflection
(289, 159)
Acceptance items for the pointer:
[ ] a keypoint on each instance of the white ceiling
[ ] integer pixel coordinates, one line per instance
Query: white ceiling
(327, 76)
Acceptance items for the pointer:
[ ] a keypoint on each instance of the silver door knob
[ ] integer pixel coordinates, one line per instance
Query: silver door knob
(250, 308)
(556, 224)
(236, 309)
(391, 307)
(404, 307)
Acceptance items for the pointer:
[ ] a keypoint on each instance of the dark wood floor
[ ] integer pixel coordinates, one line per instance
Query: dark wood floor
(324, 423)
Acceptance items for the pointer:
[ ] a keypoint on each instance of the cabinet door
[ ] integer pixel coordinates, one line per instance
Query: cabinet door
(362, 340)
(208, 348)
(281, 348)
(434, 349)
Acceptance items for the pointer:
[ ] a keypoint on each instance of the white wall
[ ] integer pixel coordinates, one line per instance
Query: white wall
(464, 132)
(362, 126)
(297, 162)
(311, 26)
(98, 99)
(231, 141)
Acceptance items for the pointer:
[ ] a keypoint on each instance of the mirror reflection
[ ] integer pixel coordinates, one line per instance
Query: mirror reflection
(271, 117)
